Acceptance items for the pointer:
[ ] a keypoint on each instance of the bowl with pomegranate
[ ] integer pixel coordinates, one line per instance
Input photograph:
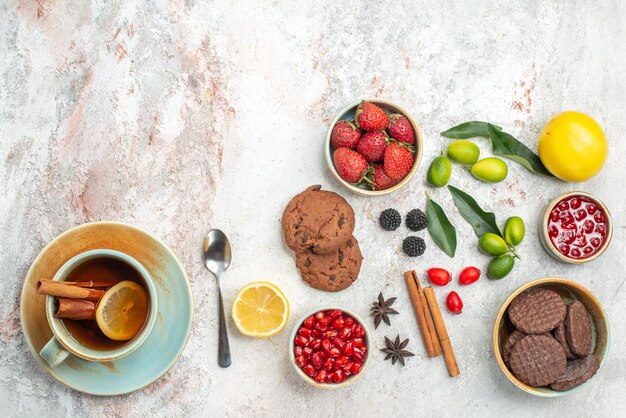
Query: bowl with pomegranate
(329, 347)
(576, 228)
(373, 147)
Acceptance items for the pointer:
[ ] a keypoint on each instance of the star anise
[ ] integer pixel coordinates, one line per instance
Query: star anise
(395, 350)
(382, 309)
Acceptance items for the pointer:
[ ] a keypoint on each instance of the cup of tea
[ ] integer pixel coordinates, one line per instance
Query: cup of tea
(74, 321)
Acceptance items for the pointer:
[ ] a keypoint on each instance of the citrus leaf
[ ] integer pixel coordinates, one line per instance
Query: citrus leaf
(502, 143)
(440, 228)
(481, 221)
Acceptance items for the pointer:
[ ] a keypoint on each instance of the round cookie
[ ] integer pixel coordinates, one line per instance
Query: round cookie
(513, 338)
(331, 272)
(559, 334)
(537, 311)
(317, 220)
(576, 373)
(537, 360)
(578, 329)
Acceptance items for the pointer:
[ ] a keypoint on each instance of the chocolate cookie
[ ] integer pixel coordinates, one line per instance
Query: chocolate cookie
(537, 310)
(559, 334)
(537, 360)
(578, 329)
(331, 272)
(576, 373)
(317, 220)
(513, 338)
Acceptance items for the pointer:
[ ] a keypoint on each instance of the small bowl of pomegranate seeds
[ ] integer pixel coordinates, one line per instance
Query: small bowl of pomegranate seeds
(329, 347)
(576, 228)
(373, 147)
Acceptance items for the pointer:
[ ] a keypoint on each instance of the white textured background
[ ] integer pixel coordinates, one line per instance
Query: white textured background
(181, 115)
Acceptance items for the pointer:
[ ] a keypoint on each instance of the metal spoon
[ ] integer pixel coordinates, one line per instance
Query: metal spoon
(216, 255)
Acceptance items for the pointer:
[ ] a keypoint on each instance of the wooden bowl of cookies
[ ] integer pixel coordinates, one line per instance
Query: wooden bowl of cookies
(550, 337)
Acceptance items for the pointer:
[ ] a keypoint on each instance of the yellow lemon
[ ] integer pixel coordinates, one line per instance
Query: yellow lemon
(573, 146)
(260, 310)
(122, 311)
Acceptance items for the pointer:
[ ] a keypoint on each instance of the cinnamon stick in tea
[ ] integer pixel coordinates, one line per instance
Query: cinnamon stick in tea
(422, 314)
(87, 283)
(62, 290)
(75, 309)
(442, 332)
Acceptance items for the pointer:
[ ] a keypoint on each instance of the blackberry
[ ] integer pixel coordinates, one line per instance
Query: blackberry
(413, 246)
(390, 219)
(416, 220)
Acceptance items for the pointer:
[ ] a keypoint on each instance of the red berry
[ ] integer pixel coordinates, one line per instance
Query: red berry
(380, 180)
(454, 303)
(398, 161)
(400, 129)
(339, 376)
(372, 146)
(438, 276)
(301, 341)
(370, 117)
(300, 361)
(469, 275)
(349, 164)
(345, 134)
(309, 370)
(320, 377)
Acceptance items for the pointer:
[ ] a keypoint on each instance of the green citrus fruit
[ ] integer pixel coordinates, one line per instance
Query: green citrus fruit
(439, 171)
(492, 244)
(463, 152)
(500, 266)
(490, 170)
(514, 230)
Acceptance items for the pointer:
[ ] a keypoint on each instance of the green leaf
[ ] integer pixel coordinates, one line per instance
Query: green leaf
(507, 146)
(440, 228)
(502, 143)
(470, 130)
(481, 221)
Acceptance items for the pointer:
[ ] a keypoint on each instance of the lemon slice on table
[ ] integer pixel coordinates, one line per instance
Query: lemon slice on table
(122, 311)
(260, 310)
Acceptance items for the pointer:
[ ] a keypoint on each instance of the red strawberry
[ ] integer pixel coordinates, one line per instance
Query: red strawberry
(400, 129)
(349, 164)
(345, 134)
(381, 180)
(370, 117)
(398, 161)
(372, 145)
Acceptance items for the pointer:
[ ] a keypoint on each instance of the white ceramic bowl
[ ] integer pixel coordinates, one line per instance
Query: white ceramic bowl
(310, 380)
(347, 113)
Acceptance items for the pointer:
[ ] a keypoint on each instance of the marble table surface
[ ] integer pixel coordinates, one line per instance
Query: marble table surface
(178, 116)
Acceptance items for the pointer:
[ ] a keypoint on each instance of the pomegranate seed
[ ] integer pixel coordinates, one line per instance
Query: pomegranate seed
(317, 333)
(309, 370)
(326, 344)
(307, 352)
(334, 352)
(305, 332)
(341, 360)
(348, 365)
(336, 313)
(338, 342)
(356, 367)
(339, 376)
(309, 322)
(345, 333)
(315, 344)
(348, 321)
(316, 361)
(360, 332)
(300, 361)
(338, 323)
(297, 351)
(322, 354)
(321, 376)
(319, 315)
(331, 333)
(563, 205)
(348, 348)
(301, 341)
(329, 364)
(363, 349)
(325, 320)
(358, 354)
(575, 202)
(357, 342)
(591, 208)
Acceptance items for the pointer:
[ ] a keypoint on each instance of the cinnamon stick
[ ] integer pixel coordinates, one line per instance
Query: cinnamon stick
(422, 314)
(87, 283)
(75, 309)
(440, 326)
(62, 290)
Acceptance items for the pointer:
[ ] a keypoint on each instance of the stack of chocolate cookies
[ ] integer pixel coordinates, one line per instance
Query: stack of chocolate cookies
(317, 226)
(551, 343)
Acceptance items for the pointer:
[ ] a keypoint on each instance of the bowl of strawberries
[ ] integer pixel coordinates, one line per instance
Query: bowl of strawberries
(373, 147)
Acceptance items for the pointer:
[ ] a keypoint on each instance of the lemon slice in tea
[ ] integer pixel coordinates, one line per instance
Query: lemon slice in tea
(260, 310)
(122, 311)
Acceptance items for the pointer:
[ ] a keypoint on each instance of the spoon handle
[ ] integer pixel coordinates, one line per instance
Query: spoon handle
(223, 358)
